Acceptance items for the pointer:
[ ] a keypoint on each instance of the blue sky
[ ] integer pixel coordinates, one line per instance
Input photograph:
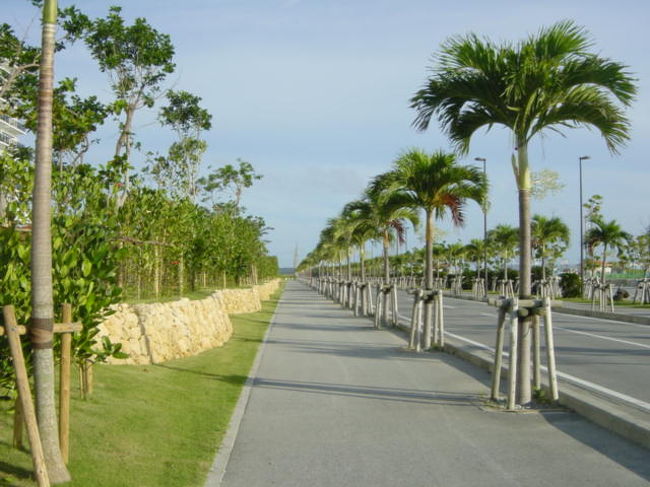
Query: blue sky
(315, 94)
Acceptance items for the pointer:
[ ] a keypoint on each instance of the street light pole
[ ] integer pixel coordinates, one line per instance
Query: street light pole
(485, 270)
(582, 222)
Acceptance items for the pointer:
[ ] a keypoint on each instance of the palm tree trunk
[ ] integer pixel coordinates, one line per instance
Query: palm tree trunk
(362, 258)
(386, 249)
(524, 185)
(349, 264)
(602, 269)
(42, 322)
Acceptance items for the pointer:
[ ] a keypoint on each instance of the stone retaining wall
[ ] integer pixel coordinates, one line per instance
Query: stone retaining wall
(151, 333)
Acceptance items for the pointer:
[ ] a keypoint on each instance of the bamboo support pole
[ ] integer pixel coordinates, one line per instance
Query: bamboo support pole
(64, 386)
(25, 395)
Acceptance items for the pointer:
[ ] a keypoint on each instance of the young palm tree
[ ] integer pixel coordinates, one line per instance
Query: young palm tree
(504, 240)
(438, 185)
(362, 230)
(608, 235)
(475, 252)
(386, 211)
(546, 82)
(549, 236)
(42, 322)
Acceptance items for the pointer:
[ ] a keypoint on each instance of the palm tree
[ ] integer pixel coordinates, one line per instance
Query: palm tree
(475, 251)
(362, 230)
(42, 322)
(546, 82)
(386, 211)
(504, 240)
(608, 235)
(550, 236)
(436, 184)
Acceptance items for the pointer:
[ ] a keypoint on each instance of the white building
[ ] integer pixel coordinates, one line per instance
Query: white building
(10, 128)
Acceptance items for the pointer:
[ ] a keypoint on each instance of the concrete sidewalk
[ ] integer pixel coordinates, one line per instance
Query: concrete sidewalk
(336, 403)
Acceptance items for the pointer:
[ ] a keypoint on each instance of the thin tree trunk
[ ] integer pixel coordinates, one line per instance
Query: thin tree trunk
(386, 265)
(602, 269)
(42, 322)
(524, 185)
(362, 258)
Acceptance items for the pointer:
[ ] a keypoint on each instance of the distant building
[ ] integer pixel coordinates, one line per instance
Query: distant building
(10, 128)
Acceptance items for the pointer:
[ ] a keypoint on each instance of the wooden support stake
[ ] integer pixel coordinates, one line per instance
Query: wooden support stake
(514, 341)
(395, 310)
(441, 319)
(25, 395)
(19, 421)
(378, 310)
(498, 356)
(550, 350)
(414, 318)
(537, 361)
(64, 386)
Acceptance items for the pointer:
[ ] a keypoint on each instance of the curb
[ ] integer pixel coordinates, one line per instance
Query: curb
(221, 459)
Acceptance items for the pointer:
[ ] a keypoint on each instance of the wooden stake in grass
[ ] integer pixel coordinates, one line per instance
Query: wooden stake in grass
(18, 425)
(25, 395)
(64, 386)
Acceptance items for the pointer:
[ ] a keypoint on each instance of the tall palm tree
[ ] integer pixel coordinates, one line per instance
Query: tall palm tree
(608, 235)
(546, 82)
(42, 322)
(504, 240)
(550, 236)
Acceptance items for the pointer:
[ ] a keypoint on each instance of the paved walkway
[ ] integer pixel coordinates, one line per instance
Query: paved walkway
(336, 403)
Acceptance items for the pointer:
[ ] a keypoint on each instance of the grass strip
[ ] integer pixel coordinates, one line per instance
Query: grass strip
(154, 425)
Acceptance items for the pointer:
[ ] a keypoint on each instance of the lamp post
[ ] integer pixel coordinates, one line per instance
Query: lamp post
(485, 271)
(582, 222)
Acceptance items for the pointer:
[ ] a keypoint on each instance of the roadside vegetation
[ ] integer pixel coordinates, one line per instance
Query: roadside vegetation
(152, 425)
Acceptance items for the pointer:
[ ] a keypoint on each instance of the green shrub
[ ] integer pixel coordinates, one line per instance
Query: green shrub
(570, 285)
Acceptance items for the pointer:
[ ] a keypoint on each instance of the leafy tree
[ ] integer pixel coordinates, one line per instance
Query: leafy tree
(232, 179)
(546, 82)
(137, 59)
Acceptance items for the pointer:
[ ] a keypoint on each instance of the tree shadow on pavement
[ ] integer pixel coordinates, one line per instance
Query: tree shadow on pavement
(625, 453)
(374, 393)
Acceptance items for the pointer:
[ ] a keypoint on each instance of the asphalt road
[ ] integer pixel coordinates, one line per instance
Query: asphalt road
(336, 403)
(612, 355)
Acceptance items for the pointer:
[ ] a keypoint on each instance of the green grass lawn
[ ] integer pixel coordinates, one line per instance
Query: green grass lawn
(155, 425)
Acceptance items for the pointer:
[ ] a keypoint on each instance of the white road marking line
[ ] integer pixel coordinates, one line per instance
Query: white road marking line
(602, 337)
(570, 378)
(491, 315)
(627, 323)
